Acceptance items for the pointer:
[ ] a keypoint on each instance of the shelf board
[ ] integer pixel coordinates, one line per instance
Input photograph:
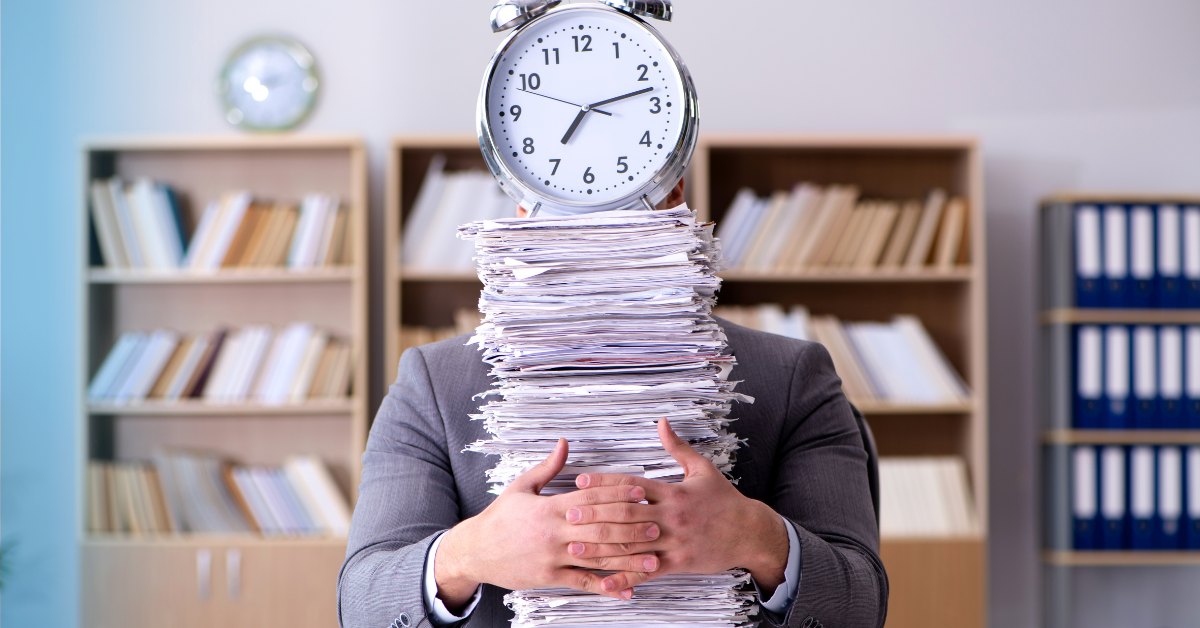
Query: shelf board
(206, 408)
(201, 540)
(1127, 316)
(1121, 558)
(954, 275)
(428, 274)
(1072, 197)
(224, 276)
(961, 538)
(1121, 437)
(887, 407)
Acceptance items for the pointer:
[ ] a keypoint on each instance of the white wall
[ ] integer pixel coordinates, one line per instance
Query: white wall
(1069, 94)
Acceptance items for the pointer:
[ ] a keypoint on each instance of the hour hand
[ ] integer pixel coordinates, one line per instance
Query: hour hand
(583, 111)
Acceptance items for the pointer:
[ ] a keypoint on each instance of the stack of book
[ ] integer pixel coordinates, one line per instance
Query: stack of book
(1130, 255)
(925, 496)
(1137, 377)
(188, 492)
(814, 227)
(1141, 497)
(894, 362)
(445, 201)
(293, 365)
(141, 226)
(465, 322)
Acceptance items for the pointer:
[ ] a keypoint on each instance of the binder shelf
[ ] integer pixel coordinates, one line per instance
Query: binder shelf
(906, 216)
(1120, 327)
(226, 329)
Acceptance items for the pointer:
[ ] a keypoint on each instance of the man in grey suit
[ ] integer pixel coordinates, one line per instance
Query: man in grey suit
(429, 546)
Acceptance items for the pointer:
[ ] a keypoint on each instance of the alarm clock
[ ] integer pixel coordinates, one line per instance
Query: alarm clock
(585, 107)
(268, 84)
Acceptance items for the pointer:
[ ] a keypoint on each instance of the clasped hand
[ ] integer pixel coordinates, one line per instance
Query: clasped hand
(636, 527)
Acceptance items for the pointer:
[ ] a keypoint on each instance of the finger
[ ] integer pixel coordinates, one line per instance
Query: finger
(694, 464)
(623, 582)
(614, 532)
(611, 513)
(637, 563)
(533, 480)
(602, 495)
(653, 488)
(588, 582)
(581, 550)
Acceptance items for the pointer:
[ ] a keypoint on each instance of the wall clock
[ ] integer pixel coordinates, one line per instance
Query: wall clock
(585, 107)
(268, 84)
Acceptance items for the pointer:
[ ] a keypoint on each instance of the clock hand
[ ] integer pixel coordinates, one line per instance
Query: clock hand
(562, 101)
(574, 125)
(586, 108)
(623, 97)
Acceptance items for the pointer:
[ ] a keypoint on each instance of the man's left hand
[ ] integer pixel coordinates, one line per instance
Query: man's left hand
(706, 525)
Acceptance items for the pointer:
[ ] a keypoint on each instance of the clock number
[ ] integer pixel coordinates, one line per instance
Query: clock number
(588, 177)
(644, 70)
(656, 102)
(645, 139)
(529, 144)
(587, 43)
(617, 49)
(535, 81)
(557, 163)
(624, 167)
(515, 112)
(547, 53)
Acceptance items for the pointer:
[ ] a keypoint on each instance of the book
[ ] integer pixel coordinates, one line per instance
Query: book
(922, 243)
(925, 497)
(901, 236)
(950, 235)
(1142, 281)
(1169, 256)
(1169, 530)
(1089, 263)
(871, 250)
(1085, 495)
(108, 230)
(1142, 490)
(1116, 256)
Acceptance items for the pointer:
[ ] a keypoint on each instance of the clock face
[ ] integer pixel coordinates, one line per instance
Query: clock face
(269, 84)
(585, 106)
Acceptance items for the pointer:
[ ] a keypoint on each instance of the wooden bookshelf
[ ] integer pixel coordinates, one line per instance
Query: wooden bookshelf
(1121, 437)
(1119, 558)
(935, 582)
(251, 580)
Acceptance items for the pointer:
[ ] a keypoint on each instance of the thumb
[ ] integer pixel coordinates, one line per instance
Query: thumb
(693, 463)
(535, 479)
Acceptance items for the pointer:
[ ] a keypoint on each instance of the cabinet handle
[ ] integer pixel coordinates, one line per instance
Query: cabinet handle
(204, 574)
(233, 573)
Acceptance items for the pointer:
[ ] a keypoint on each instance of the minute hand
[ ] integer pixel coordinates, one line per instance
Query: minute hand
(622, 97)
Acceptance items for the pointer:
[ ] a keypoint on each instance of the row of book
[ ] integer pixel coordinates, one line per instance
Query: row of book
(142, 226)
(1137, 256)
(188, 492)
(445, 201)
(895, 361)
(465, 322)
(292, 365)
(1141, 497)
(815, 227)
(925, 496)
(1137, 377)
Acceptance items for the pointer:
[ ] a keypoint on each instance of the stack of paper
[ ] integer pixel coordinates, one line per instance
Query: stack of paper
(596, 327)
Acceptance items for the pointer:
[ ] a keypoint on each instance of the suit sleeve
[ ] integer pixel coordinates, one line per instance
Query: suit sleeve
(406, 499)
(821, 487)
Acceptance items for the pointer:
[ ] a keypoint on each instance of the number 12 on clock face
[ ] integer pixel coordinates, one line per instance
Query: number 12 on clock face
(585, 106)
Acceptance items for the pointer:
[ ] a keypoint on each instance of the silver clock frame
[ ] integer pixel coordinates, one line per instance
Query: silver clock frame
(649, 194)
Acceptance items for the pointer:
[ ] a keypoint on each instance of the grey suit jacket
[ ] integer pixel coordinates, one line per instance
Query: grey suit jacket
(804, 457)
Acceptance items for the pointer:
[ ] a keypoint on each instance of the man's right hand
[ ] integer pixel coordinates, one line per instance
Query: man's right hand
(526, 541)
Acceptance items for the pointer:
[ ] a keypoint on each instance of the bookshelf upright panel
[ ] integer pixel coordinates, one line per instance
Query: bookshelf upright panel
(185, 579)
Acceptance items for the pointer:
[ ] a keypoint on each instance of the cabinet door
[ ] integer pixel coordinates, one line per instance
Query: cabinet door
(289, 584)
(135, 584)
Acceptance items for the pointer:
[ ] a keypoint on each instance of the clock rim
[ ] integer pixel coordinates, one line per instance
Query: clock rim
(650, 193)
(293, 47)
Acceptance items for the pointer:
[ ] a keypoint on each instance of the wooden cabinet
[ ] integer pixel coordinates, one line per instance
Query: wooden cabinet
(210, 582)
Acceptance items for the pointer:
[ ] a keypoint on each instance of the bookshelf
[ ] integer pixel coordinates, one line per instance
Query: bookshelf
(235, 579)
(935, 581)
(1060, 317)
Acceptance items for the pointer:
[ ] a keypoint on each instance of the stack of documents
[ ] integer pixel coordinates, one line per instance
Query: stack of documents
(596, 327)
